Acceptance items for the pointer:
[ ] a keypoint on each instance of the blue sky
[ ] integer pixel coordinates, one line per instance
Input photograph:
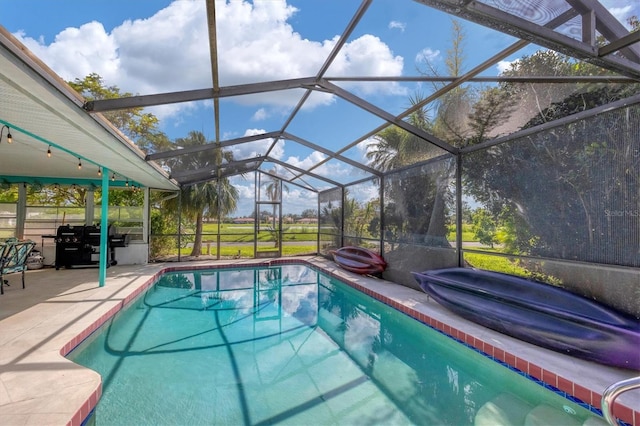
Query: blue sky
(155, 46)
(76, 37)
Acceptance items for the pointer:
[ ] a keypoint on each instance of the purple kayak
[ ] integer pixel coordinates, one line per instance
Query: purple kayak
(537, 313)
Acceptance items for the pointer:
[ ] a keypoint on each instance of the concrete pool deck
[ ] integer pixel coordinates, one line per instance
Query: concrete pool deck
(59, 309)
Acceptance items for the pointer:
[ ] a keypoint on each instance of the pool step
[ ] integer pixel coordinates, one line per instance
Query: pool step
(506, 409)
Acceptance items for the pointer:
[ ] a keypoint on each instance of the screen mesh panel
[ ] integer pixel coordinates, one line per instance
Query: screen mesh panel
(570, 192)
(362, 210)
(330, 219)
(418, 204)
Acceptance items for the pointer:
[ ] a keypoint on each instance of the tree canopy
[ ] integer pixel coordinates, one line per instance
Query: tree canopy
(570, 192)
(140, 127)
(214, 198)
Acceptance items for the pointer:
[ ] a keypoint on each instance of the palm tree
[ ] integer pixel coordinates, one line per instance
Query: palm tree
(215, 198)
(395, 147)
(274, 193)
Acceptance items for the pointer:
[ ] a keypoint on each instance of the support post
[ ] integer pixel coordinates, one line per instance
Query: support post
(104, 228)
(89, 209)
(459, 160)
(382, 218)
(344, 199)
(21, 210)
(146, 217)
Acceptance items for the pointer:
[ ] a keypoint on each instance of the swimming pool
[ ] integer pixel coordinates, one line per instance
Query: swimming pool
(289, 344)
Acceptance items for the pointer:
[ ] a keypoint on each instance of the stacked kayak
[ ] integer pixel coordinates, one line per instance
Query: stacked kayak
(537, 313)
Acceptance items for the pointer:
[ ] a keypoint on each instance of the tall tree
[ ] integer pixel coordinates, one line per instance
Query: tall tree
(451, 108)
(419, 208)
(417, 203)
(215, 198)
(140, 127)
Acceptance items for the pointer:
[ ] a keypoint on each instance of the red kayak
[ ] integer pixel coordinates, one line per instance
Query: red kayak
(359, 260)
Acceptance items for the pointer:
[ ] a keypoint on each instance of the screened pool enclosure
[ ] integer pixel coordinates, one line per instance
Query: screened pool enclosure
(515, 148)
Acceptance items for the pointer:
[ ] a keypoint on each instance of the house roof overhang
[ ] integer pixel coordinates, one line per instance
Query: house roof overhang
(42, 112)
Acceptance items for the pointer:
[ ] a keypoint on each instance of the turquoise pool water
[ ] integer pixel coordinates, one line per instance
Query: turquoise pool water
(290, 345)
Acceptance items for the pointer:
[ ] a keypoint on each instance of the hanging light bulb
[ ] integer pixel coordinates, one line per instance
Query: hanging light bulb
(79, 164)
(9, 137)
(127, 183)
(113, 177)
(49, 151)
(99, 171)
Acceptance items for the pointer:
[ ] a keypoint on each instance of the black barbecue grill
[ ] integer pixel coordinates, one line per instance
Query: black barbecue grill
(79, 246)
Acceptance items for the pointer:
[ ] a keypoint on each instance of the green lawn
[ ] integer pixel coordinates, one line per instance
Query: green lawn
(246, 250)
(495, 263)
(467, 233)
(232, 235)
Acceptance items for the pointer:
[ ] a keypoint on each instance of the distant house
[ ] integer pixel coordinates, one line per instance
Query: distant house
(308, 220)
(242, 220)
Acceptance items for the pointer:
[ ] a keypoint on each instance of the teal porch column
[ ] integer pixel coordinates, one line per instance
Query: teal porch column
(104, 227)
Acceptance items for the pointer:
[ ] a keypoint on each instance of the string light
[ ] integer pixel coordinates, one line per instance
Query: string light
(99, 171)
(127, 183)
(49, 151)
(113, 177)
(79, 164)
(9, 137)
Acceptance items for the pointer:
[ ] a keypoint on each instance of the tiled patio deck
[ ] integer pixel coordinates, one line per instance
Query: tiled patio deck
(58, 309)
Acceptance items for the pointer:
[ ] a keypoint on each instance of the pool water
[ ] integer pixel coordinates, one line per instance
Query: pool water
(291, 345)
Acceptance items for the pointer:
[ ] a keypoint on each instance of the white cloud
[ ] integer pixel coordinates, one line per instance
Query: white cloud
(427, 55)
(622, 10)
(503, 66)
(295, 200)
(260, 115)
(314, 158)
(397, 25)
(169, 52)
(338, 171)
(255, 148)
(245, 188)
(76, 52)
(363, 149)
(365, 192)
(368, 56)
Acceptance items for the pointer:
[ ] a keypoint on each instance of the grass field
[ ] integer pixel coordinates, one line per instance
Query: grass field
(237, 240)
(244, 233)
(246, 250)
(467, 233)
